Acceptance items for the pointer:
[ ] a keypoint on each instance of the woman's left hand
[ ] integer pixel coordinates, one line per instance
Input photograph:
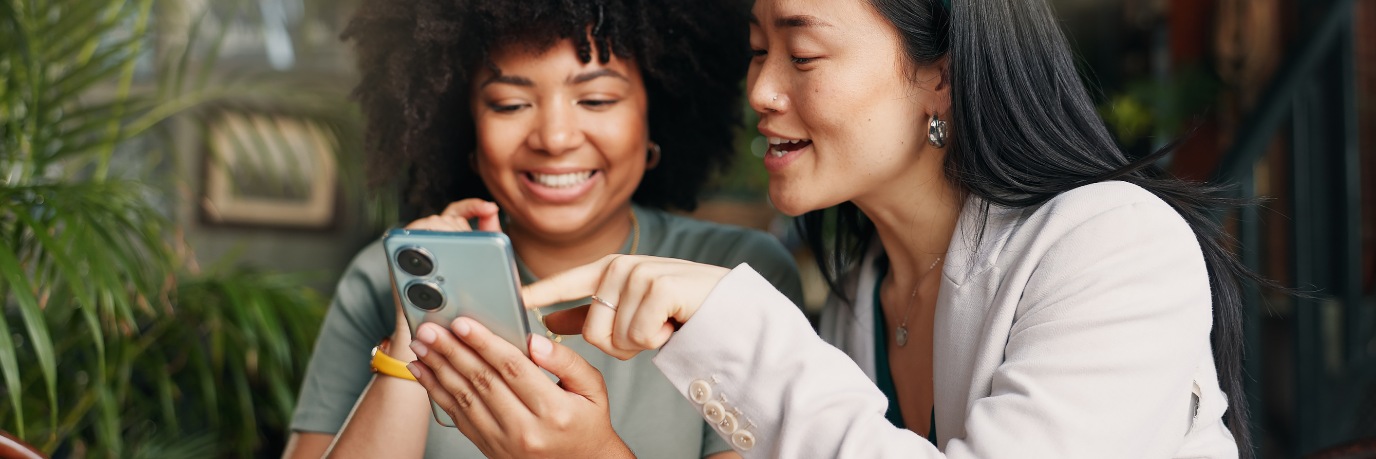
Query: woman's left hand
(501, 400)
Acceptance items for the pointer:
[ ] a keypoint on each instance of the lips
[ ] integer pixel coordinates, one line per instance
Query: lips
(560, 180)
(559, 186)
(779, 146)
(783, 151)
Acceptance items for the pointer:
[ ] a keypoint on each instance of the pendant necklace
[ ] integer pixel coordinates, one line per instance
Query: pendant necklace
(900, 335)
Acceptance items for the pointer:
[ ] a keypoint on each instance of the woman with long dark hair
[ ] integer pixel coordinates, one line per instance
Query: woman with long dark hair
(1008, 284)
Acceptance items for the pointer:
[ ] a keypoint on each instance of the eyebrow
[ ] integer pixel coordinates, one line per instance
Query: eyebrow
(576, 79)
(589, 76)
(508, 79)
(801, 20)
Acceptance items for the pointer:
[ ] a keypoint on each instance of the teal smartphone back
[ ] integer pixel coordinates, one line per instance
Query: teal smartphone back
(439, 276)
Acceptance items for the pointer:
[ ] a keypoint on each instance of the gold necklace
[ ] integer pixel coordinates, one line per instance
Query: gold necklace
(900, 335)
(635, 247)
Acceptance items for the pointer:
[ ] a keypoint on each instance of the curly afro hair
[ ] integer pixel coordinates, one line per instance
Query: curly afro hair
(417, 58)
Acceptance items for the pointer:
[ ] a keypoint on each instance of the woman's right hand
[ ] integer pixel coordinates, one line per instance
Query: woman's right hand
(453, 219)
(644, 298)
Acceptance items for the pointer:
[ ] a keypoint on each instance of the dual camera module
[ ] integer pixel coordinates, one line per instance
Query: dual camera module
(424, 294)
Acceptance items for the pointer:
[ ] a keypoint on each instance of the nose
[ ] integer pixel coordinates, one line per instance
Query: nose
(764, 87)
(559, 131)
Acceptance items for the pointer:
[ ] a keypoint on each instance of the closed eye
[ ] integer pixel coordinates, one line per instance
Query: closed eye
(499, 108)
(598, 105)
(803, 60)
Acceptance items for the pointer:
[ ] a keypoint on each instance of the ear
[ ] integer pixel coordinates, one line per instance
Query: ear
(940, 85)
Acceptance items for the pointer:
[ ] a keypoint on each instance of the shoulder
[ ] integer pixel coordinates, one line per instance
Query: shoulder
(1100, 220)
(370, 262)
(1114, 199)
(366, 279)
(1112, 226)
(1110, 210)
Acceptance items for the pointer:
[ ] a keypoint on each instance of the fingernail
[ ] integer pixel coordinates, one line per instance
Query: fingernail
(419, 348)
(412, 367)
(426, 334)
(461, 327)
(540, 345)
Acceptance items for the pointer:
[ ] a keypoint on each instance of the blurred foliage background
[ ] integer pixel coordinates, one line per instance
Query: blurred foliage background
(114, 342)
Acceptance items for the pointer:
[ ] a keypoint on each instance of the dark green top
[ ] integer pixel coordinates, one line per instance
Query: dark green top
(881, 365)
(649, 414)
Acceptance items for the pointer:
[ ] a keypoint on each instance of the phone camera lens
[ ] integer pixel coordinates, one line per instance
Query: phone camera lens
(415, 262)
(425, 296)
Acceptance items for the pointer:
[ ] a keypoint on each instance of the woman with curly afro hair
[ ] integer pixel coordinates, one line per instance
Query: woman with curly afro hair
(571, 125)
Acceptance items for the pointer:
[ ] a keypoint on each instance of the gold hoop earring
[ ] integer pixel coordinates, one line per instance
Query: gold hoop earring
(654, 156)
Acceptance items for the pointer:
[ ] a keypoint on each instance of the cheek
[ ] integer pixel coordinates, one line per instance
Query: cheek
(497, 146)
(840, 120)
(870, 124)
(500, 136)
(620, 137)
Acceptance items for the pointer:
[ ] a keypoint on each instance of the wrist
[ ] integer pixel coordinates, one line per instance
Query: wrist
(387, 364)
(616, 449)
(398, 347)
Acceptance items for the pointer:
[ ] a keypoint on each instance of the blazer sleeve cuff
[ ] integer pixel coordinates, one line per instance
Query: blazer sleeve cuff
(715, 349)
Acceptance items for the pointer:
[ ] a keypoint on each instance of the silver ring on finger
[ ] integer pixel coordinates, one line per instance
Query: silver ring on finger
(604, 302)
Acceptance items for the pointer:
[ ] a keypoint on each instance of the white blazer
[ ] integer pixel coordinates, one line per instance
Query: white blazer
(1075, 329)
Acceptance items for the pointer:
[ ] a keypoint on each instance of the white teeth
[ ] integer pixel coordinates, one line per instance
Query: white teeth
(561, 180)
(777, 153)
(781, 141)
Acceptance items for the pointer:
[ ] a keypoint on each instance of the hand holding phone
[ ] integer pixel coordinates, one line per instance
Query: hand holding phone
(439, 276)
(455, 218)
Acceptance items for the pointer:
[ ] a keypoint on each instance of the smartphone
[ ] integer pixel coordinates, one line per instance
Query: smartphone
(438, 276)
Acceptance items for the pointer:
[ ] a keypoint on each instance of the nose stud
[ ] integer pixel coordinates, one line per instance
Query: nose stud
(776, 97)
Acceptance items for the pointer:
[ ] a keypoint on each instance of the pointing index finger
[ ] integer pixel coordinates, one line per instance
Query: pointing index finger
(573, 284)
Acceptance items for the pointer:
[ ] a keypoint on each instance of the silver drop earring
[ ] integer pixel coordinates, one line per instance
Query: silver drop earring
(936, 132)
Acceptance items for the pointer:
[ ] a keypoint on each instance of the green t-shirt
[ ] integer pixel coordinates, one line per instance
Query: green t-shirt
(646, 411)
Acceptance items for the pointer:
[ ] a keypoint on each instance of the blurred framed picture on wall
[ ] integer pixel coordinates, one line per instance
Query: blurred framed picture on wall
(268, 170)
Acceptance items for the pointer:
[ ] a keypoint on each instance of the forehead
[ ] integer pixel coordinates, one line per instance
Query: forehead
(559, 60)
(814, 15)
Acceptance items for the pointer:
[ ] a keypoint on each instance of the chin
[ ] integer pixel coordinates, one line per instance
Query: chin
(797, 197)
(789, 200)
(555, 221)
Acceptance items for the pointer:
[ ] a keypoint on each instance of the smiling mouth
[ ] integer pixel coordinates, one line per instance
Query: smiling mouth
(568, 180)
(779, 146)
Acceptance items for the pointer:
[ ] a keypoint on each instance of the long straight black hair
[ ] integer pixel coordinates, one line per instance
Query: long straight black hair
(1024, 129)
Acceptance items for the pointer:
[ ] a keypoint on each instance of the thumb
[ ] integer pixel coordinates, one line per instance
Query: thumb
(567, 322)
(575, 374)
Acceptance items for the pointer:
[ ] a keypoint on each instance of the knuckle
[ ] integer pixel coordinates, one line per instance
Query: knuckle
(531, 442)
(513, 369)
(621, 341)
(563, 419)
(621, 264)
(483, 380)
(639, 338)
(464, 399)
